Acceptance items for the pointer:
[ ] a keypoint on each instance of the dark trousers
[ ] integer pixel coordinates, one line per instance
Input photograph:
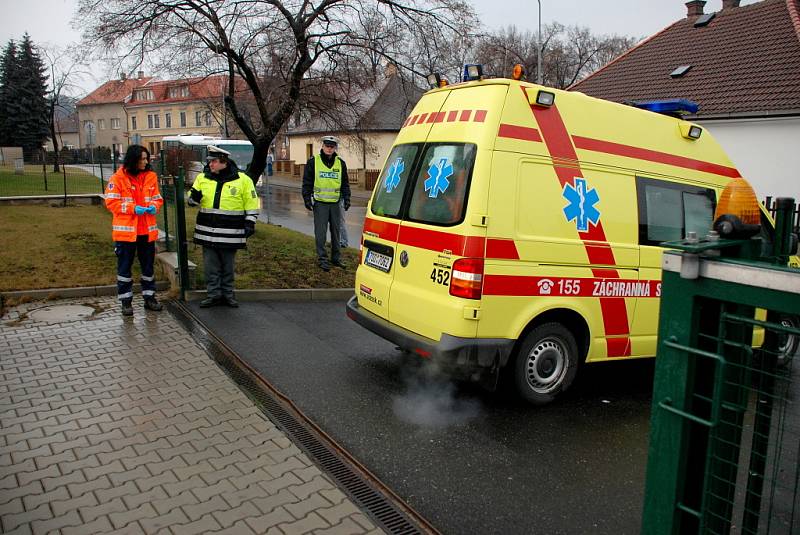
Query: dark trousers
(327, 214)
(218, 264)
(126, 251)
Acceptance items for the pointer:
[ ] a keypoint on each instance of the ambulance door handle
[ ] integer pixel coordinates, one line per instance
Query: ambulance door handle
(480, 220)
(472, 313)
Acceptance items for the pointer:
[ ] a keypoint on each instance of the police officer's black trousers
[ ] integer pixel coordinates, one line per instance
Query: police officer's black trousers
(327, 214)
(126, 251)
(219, 265)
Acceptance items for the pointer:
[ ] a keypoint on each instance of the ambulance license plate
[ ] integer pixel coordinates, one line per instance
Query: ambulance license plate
(378, 261)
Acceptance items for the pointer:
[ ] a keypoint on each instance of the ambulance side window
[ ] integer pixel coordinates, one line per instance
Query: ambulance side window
(393, 181)
(442, 182)
(668, 210)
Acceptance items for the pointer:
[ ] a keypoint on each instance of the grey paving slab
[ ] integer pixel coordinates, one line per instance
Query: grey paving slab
(125, 425)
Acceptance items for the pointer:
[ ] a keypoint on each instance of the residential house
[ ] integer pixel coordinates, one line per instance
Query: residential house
(742, 66)
(101, 114)
(365, 133)
(67, 132)
(172, 107)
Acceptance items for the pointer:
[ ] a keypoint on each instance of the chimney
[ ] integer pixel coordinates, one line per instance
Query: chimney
(123, 76)
(730, 4)
(694, 8)
(140, 74)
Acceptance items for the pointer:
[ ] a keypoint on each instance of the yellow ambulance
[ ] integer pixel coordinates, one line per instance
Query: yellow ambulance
(517, 226)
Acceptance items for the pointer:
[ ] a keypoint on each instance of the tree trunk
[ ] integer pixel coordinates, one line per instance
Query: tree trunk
(259, 162)
(55, 143)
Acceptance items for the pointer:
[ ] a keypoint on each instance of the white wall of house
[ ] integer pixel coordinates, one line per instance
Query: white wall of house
(765, 151)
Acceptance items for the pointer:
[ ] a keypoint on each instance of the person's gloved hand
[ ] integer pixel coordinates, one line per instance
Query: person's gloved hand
(309, 206)
(346, 204)
(194, 197)
(151, 209)
(139, 210)
(249, 228)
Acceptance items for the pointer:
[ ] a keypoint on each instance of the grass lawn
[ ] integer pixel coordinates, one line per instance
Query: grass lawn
(55, 247)
(32, 182)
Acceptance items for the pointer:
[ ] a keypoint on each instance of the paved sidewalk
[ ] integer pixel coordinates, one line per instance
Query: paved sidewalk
(126, 425)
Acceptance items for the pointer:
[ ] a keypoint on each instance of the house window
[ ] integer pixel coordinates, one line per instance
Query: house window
(153, 120)
(115, 123)
(208, 118)
(179, 91)
(101, 124)
(168, 120)
(133, 123)
(183, 119)
(667, 210)
(197, 118)
(143, 94)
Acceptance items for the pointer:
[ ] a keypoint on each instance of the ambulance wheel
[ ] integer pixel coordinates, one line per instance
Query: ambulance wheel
(546, 363)
(787, 342)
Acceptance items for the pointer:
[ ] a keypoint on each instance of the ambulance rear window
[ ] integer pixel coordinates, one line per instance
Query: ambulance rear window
(441, 184)
(389, 191)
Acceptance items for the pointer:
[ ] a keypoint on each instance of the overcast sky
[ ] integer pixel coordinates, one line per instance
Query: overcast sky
(49, 21)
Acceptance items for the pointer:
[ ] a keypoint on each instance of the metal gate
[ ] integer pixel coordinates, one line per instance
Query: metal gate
(725, 430)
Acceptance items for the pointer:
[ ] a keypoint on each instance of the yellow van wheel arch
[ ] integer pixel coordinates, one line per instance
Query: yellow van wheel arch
(570, 319)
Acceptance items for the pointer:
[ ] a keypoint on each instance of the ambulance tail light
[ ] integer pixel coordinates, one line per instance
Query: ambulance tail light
(466, 279)
(737, 215)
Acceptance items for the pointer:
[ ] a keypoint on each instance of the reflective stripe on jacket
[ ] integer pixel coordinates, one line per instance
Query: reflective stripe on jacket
(328, 180)
(224, 208)
(123, 193)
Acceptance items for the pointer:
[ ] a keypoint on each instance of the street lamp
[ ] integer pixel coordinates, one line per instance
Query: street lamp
(539, 47)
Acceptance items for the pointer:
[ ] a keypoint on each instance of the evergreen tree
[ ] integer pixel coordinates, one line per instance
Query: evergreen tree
(9, 75)
(30, 105)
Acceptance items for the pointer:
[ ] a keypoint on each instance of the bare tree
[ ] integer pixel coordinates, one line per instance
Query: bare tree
(66, 69)
(280, 50)
(568, 53)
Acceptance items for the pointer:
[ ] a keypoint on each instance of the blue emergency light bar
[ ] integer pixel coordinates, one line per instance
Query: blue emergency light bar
(673, 106)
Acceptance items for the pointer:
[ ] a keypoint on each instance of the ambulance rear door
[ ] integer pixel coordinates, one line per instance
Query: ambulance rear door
(379, 255)
(441, 240)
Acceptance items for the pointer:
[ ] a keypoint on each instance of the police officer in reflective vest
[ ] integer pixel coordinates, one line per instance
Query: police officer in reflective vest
(229, 208)
(133, 198)
(324, 183)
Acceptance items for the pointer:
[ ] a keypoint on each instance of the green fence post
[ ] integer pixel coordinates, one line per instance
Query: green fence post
(64, 172)
(183, 253)
(164, 211)
(44, 172)
(102, 182)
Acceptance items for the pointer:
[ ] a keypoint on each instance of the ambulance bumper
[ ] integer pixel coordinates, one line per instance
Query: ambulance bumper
(456, 353)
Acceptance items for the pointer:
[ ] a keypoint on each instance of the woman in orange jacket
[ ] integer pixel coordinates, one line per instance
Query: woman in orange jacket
(132, 196)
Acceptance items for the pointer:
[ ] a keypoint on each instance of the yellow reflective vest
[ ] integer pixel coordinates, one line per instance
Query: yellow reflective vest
(328, 180)
(225, 207)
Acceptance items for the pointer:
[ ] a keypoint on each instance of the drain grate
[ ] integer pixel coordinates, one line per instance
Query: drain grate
(385, 509)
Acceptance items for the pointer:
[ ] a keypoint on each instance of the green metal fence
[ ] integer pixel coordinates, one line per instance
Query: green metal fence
(725, 434)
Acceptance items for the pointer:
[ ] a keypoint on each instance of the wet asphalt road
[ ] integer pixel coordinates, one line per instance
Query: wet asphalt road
(468, 460)
(286, 208)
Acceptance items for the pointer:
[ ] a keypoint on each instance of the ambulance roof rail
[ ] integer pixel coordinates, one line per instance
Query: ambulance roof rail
(670, 106)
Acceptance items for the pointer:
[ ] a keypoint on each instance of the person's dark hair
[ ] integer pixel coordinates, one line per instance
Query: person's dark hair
(132, 156)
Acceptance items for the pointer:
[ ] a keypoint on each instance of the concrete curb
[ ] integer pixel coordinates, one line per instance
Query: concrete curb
(296, 294)
(86, 291)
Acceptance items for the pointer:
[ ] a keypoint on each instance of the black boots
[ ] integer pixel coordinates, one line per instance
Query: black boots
(127, 308)
(150, 303)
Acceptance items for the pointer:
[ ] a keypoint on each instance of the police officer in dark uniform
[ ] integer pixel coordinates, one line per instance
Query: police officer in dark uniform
(324, 183)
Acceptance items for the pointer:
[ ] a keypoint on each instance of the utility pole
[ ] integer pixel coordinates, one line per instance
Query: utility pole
(539, 76)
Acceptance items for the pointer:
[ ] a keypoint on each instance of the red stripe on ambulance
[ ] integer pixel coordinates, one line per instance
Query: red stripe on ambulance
(433, 240)
(519, 132)
(501, 248)
(529, 286)
(381, 229)
(559, 143)
(629, 151)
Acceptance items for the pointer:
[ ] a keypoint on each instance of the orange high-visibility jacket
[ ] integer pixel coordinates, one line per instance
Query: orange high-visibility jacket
(123, 193)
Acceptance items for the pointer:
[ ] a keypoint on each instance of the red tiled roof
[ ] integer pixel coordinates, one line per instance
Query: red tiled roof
(114, 91)
(200, 88)
(746, 61)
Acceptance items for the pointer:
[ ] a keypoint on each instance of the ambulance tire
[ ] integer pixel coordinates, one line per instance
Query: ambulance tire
(788, 343)
(546, 363)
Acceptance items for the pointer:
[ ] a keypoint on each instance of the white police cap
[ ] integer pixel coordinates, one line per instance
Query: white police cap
(330, 140)
(216, 152)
